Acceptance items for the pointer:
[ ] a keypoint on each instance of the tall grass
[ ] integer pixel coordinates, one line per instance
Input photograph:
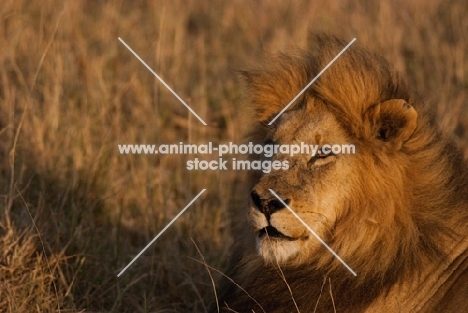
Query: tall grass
(74, 212)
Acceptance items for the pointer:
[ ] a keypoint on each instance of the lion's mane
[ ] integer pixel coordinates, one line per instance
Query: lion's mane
(418, 196)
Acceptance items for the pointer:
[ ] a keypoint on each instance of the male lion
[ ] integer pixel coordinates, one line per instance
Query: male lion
(396, 211)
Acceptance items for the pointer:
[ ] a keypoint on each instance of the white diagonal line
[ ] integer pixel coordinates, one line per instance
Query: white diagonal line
(160, 233)
(312, 81)
(314, 233)
(162, 81)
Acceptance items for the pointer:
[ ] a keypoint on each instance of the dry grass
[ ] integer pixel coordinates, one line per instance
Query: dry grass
(74, 212)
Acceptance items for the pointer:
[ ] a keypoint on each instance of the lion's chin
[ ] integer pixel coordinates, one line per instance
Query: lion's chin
(277, 250)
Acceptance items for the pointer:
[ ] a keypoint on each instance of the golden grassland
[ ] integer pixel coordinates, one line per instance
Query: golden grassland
(74, 212)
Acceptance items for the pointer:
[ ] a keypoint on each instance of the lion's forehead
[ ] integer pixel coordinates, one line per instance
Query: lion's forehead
(316, 125)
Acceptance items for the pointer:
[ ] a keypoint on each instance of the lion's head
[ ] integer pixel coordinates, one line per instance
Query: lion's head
(392, 210)
(348, 199)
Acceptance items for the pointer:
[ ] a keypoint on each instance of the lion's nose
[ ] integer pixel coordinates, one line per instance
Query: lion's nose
(268, 206)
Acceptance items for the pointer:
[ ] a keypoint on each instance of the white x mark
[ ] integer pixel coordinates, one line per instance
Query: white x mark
(314, 233)
(162, 81)
(160, 233)
(312, 81)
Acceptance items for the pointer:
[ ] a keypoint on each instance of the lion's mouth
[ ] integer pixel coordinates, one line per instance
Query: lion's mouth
(272, 232)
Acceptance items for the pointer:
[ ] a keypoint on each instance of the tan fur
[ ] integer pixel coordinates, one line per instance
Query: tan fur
(396, 211)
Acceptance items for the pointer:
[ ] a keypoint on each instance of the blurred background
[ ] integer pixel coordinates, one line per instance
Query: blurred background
(74, 212)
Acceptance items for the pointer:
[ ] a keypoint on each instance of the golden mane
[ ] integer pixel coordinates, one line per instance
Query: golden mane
(406, 215)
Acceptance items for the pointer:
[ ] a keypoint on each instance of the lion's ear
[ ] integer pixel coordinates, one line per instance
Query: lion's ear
(392, 122)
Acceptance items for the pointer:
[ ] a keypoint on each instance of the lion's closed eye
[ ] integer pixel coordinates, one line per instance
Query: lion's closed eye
(321, 158)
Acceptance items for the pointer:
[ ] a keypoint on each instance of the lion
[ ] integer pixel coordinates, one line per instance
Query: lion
(395, 212)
